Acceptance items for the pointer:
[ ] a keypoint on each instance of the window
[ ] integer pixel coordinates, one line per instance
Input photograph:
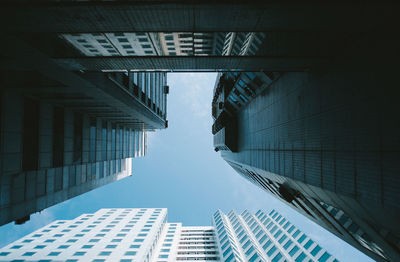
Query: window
(94, 240)
(265, 247)
(271, 251)
(287, 245)
(105, 253)
(278, 233)
(72, 240)
(163, 256)
(63, 246)
(49, 240)
(229, 258)
(58, 235)
(28, 254)
(134, 246)
(227, 251)
(143, 235)
(253, 258)
(166, 245)
(130, 253)
(301, 257)
(54, 254)
(3, 254)
(282, 239)
(40, 246)
(123, 40)
(324, 257)
(165, 250)
(315, 251)
(79, 235)
(301, 239)
(277, 257)
(27, 241)
(116, 240)
(308, 244)
(87, 246)
(248, 252)
(16, 247)
(293, 251)
(246, 244)
(37, 235)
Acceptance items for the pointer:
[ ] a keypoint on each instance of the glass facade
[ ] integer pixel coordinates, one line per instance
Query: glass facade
(264, 237)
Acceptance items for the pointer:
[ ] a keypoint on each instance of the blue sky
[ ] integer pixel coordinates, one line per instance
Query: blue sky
(183, 173)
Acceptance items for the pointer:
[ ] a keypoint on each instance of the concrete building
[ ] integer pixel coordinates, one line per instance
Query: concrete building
(211, 43)
(327, 152)
(122, 234)
(61, 137)
(115, 44)
(165, 43)
(126, 234)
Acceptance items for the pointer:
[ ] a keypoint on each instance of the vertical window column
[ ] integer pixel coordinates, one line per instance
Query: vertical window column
(92, 140)
(30, 144)
(58, 137)
(85, 138)
(78, 129)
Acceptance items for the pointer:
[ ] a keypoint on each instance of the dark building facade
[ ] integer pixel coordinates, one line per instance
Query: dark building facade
(324, 142)
(59, 141)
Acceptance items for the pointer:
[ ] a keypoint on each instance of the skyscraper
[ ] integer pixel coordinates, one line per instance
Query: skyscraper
(325, 130)
(126, 234)
(315, 148)
(64, 135)
(264, 237)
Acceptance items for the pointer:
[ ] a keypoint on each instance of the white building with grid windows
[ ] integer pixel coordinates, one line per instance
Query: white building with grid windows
(263, 237)
(143, 234)
(120, 234)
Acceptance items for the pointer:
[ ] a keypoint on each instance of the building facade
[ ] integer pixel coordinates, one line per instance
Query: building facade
(122, 234)
(127, 234)
(166, 43)
(61, 137)
(317, 143)
(264, 237)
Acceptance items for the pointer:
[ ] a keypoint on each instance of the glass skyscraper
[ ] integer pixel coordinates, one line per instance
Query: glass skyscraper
(144, 234)
(278, 130)
(264, 237)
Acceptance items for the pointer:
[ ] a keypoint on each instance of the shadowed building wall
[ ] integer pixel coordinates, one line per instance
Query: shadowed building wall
(325, 141)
